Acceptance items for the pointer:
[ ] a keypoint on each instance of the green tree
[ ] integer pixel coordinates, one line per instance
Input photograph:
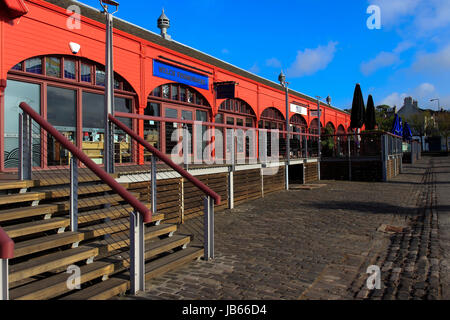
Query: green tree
(384, 120)
(443, 126)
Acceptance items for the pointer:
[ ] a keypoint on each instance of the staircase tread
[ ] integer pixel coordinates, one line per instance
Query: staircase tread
(120, 283)
(26, 212)
(36, 226)
(56, 285)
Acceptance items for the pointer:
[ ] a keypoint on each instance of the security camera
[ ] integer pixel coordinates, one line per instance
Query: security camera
(74, 47)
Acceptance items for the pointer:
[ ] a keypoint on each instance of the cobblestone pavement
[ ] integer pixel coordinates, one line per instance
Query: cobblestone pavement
(317, 244)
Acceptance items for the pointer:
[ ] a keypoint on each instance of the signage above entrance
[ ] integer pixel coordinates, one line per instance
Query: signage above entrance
(169, 72)
(299, 109)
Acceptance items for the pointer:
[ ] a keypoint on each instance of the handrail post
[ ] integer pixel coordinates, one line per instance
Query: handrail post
(349, 151)
(4, 281)
(137, 261)
(186, 146)
(73, 194)
(209, 228)
(25, 147)
(153, 184)
(384, 155)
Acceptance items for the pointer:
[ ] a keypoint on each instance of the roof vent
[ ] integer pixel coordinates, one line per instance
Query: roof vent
(164, 24)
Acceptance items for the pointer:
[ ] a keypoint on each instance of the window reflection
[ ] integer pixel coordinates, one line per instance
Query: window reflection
(93, 126)
(61, 113)
(151, 128)
(34, 65)
(69, 69)
(53, 67)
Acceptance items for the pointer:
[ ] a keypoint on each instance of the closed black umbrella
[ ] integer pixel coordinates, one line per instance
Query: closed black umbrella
(358, 111)
(370, 121)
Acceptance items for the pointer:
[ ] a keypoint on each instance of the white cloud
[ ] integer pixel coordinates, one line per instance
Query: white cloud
(424, 15)
(385, 59)
(423, 93)
(394, 99)
(309, 61)
(424, 90)
(382, 60)
(273, 62)
(436, 62)
(393, 11)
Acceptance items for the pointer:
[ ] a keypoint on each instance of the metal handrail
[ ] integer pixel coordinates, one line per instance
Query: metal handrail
(6, 245)
(6, 253)
(208, 191)
(95, 168)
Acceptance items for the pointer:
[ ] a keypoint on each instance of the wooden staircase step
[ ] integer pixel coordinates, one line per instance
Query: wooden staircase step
(27, 247)
(56, 260)
(27, 212)
(51, 194)
(15, 184)
(29, 228)
(58, 178)
(50, 262)
(119, 284)
(54, 286)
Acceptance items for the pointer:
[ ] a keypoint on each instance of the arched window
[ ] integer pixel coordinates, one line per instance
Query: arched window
(69, 92)
(179, 92)
(177, 101)
(341, 129)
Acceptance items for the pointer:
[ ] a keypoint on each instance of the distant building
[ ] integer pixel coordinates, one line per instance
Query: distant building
(410, 107)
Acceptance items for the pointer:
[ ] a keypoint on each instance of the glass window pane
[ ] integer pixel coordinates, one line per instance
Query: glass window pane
(62, 114)
(174, 92)
(151, 128)
(240, 122)
(34, 65)
(86, 73)
(93, 125)
(249, 122)
(190, 96)
(53, 67)
(166, 91)
(18, 66)
(170, 128)
(116, 84)
(99, 76)
(69, 69)
(219, 118)
(123, 105)
(183, 94)
(15, 93)
(157, 92)
(122, 141)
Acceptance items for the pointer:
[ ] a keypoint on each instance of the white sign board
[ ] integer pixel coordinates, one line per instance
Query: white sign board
(299, 109)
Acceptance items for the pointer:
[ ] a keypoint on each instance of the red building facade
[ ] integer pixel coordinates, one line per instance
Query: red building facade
(38, 66)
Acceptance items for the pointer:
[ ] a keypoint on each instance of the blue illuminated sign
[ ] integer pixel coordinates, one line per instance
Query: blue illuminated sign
(173, 73)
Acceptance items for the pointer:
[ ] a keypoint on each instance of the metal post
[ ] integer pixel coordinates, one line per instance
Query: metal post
(137, 249)
(154, 185)
(288, 142)
(209, 228)
(233, 147)
(4, 281)
(306, 146)
(21, 150)
(384, 156)
(320, 142)
(349, 158)
(186, 147)
(231, 189)
(25, 147)
(73, 194)
(108, 154)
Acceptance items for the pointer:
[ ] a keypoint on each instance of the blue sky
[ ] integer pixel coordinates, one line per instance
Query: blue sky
(325, 47)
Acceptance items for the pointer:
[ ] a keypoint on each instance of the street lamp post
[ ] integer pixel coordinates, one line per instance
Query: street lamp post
(319, 153)
(439, 103)
(108, 148)
(284, 83)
